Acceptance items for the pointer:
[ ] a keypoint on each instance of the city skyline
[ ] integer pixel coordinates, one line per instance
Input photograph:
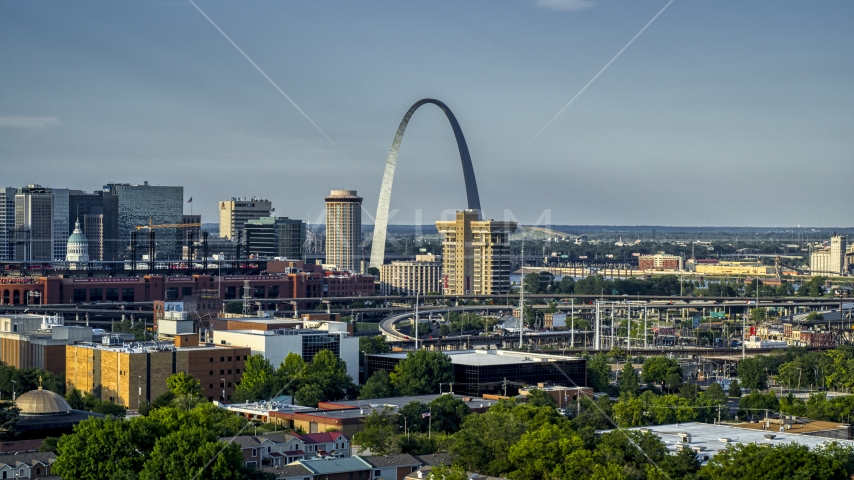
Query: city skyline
(705, 119)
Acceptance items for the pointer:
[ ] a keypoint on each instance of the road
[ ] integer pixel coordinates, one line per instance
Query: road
(387, 324)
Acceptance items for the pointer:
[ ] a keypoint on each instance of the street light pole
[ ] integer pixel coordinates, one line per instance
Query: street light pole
(405, 428)
(223, 389)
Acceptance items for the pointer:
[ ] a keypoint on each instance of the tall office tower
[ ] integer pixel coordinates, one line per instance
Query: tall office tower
(343, 229)
(830, 260)
(234, 213)
(34, 224)
(136, 205)
(61, 224)
(838, 246)
(93, 230)
(275, 237)
(98, 214)
(7, 224)
(475, 255)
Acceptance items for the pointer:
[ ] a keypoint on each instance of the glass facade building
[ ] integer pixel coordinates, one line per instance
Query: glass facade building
(313, 343)
(7, 223)
(136, 204)
(61, 224)
(497, 372)
(270, 237)
(98, 214)
(34, 224)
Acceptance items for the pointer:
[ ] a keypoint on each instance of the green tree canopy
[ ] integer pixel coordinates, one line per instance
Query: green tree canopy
(374, 345)
(448, 413)
(193, 452)
(378, 386)
(656, 369)
(379, 433)
(184, 384)
(750, 461)
(421, 372)
(258, 381)
(540, 452)
(481, 445)
(753, 372)
(540, 398)
(598, 372)
(628, 381)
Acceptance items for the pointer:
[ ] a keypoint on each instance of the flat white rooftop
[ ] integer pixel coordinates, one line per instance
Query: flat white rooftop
(708, 439)
(492, 357)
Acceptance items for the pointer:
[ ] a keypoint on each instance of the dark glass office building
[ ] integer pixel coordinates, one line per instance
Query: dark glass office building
(269, 237)
(139, 204)
(498, 372)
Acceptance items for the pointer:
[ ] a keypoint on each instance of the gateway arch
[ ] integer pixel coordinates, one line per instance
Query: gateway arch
(381, 221)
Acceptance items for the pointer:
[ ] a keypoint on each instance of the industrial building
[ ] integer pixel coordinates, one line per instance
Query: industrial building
(734, 268)
(344, 230)
(421, 276)
(234, 213)
(475, 255)
(497, 372)
(831, 260)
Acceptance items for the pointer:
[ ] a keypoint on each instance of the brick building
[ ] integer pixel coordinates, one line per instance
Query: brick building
(76, 290)
(38, 341)
(660, 261)
(130, 374)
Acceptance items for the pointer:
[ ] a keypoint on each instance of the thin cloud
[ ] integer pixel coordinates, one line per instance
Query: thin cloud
(27, 123)
(566, 5)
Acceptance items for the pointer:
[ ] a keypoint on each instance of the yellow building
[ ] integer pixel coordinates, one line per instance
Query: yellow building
(734, 268)
(131, 375)
(475, 255)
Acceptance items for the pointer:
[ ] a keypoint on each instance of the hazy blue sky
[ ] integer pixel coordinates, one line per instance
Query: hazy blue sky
(721, 113)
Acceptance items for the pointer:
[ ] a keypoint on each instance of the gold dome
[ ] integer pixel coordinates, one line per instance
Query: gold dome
(42, 402)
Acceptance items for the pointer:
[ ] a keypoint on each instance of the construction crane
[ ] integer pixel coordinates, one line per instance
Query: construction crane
(151, 243)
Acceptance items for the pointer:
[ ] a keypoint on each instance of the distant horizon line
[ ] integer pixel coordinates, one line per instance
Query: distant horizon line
(589, 226)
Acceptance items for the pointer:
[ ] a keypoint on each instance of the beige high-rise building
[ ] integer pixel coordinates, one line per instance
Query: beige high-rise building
(832, 260)
(422, 276)
(475, 255)
(343, 229)
(235, 212)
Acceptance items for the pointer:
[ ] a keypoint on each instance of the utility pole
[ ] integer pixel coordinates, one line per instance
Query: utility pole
(572, 328)
(645, 331)
(416, 322)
